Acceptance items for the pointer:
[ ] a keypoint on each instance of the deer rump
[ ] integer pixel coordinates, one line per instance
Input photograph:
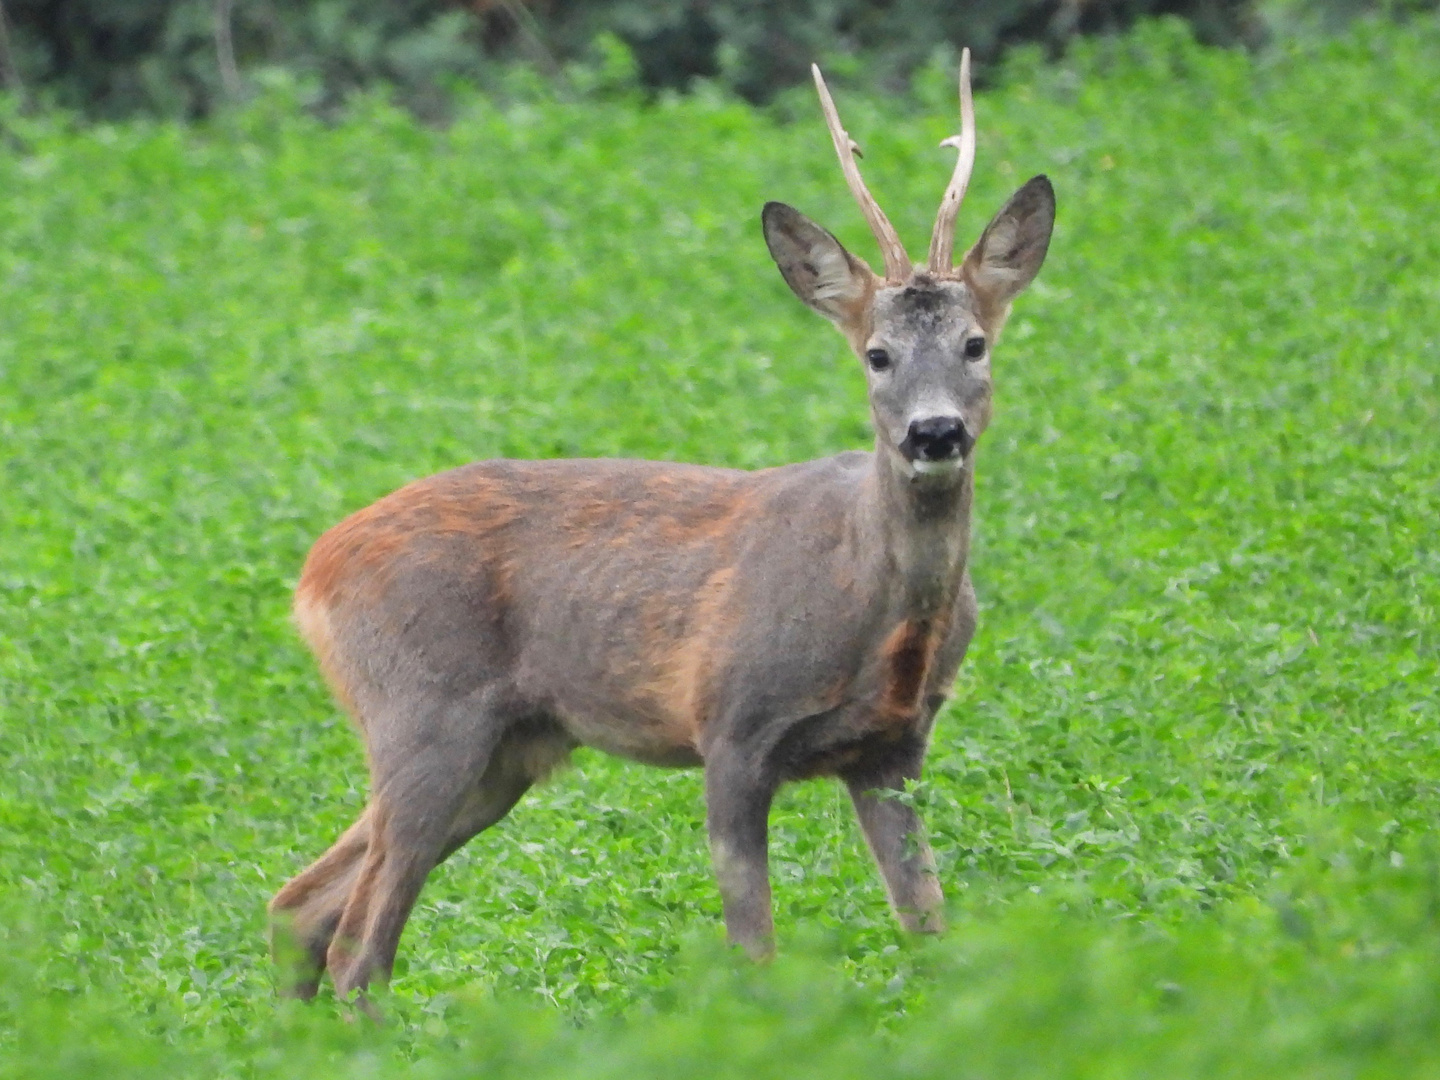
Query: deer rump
(643, 609)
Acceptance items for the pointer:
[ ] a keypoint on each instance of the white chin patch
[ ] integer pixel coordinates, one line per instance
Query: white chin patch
(938, 468)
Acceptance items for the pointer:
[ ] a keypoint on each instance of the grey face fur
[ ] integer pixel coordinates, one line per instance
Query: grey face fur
(923, 377)
(925, 342)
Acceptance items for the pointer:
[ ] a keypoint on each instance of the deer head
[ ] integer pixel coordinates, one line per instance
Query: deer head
(925, 335)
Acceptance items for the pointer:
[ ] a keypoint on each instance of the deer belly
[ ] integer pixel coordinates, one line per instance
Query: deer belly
(636, 733)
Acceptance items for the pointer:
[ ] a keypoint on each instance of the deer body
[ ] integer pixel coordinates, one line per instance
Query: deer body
(799, 621)
(652, 607)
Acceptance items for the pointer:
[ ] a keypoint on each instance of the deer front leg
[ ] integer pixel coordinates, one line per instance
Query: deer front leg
(897, 839)
(737, 802)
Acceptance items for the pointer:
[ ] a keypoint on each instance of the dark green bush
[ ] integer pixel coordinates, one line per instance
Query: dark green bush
(165, 56)
(111, 59)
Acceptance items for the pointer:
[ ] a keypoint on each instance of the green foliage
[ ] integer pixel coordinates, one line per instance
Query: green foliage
(1337, 976)
(1205, 556)
(755, 48)
(163, 56)
(160, 56)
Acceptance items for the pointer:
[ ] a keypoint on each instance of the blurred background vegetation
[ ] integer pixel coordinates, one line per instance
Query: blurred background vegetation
(180, 58)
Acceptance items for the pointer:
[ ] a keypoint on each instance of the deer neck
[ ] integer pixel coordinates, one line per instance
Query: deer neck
(923, 532)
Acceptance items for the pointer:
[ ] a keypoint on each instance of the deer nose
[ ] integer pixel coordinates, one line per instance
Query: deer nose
(937, 438)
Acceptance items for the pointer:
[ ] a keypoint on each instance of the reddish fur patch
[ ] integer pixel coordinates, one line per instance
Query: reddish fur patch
(687, 520)
(356, 550)
(358, 555)
(361, 541)
(685, 668)
(664, 506)
(313, 618)
(907, 655)
(695, 661)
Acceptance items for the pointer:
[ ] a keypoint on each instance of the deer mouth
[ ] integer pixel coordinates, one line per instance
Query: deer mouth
(943, 467)
(937, 448)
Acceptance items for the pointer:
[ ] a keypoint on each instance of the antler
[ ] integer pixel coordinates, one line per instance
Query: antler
(897, 263)
(942, 240)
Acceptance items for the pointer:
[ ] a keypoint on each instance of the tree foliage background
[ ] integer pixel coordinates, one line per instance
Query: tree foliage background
(169, 56)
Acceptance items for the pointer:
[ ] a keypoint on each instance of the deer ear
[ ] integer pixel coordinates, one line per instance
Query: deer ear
(1010, 251)
(815, 265)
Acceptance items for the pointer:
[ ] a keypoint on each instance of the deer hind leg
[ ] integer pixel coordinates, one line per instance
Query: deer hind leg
(526, 755)
(305, 913)
(412, 814)
(422, 817)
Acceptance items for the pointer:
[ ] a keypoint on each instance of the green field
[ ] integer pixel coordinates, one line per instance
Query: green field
(1183, 796)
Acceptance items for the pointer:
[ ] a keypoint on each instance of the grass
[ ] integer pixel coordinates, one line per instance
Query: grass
(1196, 743)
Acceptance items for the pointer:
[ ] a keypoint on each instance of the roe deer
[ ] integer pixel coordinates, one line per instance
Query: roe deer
(799, 621)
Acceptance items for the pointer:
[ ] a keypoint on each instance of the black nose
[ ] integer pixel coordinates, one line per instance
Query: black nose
(937, 438)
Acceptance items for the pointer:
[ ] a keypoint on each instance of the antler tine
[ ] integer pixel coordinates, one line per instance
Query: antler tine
(897, 263)
(942, 241)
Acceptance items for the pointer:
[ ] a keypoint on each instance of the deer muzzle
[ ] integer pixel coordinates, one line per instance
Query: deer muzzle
(937, 443)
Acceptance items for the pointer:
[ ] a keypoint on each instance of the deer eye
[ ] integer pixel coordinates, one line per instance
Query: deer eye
(878, 359)
(974, 347)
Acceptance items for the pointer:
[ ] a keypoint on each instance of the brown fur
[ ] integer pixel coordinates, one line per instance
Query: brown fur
(350, 932)
(908, 654)
(312, 617)
(692, 660)
(359, 550)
